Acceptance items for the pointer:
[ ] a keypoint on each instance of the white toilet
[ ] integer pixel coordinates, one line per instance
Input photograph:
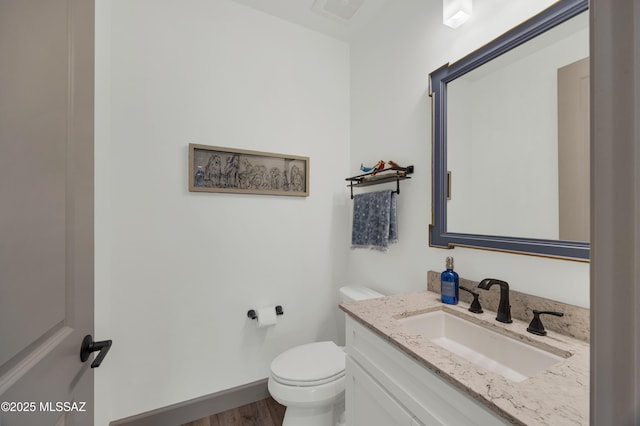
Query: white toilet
(309, 379)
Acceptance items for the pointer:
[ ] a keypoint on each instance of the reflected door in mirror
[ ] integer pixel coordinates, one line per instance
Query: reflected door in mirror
(573, 150)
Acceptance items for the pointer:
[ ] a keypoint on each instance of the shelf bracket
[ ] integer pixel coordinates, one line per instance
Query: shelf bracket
(357, 180)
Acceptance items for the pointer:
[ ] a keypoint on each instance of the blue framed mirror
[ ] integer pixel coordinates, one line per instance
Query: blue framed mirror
(511, 140)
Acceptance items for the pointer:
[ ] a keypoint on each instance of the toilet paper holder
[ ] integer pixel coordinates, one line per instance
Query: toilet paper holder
(253, 315)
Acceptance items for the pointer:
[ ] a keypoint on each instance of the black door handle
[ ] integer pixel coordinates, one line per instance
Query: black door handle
(88, 346)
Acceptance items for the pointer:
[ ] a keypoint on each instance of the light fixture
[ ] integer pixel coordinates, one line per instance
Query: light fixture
(455, 12)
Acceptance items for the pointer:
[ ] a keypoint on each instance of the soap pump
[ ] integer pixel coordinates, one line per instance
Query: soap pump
(449, 284)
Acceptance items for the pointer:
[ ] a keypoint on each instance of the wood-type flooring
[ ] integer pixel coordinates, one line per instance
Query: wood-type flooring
(266, 412)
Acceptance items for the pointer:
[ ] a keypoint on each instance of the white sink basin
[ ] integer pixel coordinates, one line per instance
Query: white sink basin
(493, 351)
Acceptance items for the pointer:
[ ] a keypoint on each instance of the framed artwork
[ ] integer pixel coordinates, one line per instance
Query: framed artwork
(218, 169)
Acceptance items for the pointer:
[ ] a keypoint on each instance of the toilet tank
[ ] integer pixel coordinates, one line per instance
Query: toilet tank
(353, 293)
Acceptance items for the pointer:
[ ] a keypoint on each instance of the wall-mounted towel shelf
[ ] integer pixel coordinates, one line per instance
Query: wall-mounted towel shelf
(390, 174)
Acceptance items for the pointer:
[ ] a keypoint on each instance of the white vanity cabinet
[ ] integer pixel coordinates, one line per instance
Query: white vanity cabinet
(370, 404)
(386, 387)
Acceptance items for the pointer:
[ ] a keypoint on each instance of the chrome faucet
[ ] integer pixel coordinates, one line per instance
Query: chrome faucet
(504, 308)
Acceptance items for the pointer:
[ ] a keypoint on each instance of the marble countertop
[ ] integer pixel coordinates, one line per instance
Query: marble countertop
(557, 396)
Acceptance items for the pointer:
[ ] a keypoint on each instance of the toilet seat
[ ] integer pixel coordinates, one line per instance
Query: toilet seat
(312, 364)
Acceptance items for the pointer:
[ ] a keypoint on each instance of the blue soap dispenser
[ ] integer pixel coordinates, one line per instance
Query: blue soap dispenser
(449, 284)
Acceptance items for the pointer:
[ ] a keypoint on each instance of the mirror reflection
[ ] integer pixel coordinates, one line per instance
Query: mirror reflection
(518, 140)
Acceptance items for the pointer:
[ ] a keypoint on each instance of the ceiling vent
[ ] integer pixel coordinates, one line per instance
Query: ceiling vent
(340, 10)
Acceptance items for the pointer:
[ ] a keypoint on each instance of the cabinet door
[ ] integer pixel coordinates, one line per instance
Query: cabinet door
(367, 403)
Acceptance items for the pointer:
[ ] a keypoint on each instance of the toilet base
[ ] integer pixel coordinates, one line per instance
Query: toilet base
(321, 405)
(295, 416)
(316, 416)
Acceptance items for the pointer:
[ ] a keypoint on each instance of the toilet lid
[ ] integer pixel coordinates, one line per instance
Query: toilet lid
(309, 365)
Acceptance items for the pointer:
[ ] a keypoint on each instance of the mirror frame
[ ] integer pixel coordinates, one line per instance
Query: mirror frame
(554, 15)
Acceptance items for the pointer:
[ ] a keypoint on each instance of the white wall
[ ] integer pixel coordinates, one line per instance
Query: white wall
(177, 271)
(391, 110)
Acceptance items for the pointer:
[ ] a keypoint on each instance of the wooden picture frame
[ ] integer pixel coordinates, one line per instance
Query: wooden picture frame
(219, 169)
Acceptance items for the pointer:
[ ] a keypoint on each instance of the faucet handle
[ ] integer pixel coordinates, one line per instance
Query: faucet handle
(536, 326)
(475, 305)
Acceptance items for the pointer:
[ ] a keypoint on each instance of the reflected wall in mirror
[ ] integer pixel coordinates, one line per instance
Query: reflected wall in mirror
(511, 140)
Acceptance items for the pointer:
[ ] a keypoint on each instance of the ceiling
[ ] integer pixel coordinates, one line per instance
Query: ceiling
(336, 18)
